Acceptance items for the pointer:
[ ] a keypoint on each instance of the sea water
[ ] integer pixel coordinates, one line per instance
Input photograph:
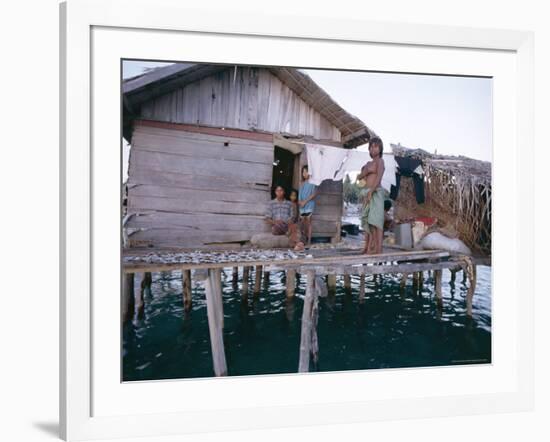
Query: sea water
(390, 329)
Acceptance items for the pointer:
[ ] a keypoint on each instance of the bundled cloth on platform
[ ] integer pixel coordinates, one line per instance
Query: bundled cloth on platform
(333, 163)
(373, 211)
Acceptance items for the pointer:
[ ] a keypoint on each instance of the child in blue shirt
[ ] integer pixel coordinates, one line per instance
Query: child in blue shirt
(307, 194)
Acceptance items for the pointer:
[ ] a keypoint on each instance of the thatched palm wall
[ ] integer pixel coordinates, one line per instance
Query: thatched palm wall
(458, 193)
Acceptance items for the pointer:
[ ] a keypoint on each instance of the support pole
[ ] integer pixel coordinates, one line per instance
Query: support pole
(308, 338)
(362, 287)
(187, 289)
(214, 308)
(403, 282)
(146, 281)
(290, 283)
(128, 301)
(235, 277)
(266, 279)
(415, 282)
(257, 280)
(438, 275)
(246, 275)
(331, 283)
(140, 296)
(347, 282)
(453, 276)
(470, 270)
(420, 282)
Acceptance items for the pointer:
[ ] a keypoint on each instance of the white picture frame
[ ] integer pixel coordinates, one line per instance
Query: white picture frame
(82, 376)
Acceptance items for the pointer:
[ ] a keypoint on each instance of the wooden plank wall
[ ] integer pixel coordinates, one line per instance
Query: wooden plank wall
(248, 98)
(192, 189)
(328, 213)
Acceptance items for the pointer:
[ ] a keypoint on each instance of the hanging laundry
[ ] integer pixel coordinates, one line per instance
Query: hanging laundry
(323, 162)
(333, 163)
(409, 167)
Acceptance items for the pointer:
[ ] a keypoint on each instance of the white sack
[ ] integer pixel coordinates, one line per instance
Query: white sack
(436, 240)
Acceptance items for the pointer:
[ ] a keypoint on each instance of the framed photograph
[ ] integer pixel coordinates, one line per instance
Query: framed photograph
(292, 218)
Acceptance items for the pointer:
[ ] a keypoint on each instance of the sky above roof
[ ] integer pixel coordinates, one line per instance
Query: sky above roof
(450, 115)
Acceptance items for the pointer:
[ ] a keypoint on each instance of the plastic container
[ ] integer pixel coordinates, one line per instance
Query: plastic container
(403, 235)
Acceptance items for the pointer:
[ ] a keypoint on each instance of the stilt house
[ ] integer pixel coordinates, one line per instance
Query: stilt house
(209, 143)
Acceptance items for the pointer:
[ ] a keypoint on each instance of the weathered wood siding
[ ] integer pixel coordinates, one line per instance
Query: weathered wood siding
(190, 189)
(327, 218)
(248, 98)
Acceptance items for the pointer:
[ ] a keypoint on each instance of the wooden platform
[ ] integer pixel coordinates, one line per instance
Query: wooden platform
(315, 263)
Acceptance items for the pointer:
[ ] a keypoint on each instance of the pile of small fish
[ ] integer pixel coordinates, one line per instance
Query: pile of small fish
(205, 257)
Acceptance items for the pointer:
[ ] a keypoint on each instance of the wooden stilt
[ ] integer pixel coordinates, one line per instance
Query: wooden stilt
(453, 276)
(308, 338)
(246, 275)
(128, 301)
(257, 280)
(347, 282)
(146, 281)
(187, 289)
(214, 307)
(266, 279)
(403, 282)
(290, 283)
(140, 296)
(362, 287)
(438, 276)
(470, 270)
(415, 282)
(235, 277)
(331, 283)
(420, 282)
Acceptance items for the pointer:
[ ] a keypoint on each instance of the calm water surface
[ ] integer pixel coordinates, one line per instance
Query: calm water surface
(262, 335)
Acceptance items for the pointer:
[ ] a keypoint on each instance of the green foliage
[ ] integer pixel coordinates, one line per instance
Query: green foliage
(351, 191)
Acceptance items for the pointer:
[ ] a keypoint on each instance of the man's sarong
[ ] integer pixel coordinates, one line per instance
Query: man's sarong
(279, 229)
(373, 212)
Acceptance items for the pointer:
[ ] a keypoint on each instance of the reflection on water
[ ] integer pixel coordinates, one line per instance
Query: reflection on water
(262, 334)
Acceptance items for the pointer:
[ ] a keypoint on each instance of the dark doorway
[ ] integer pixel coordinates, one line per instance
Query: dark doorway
(283, 170)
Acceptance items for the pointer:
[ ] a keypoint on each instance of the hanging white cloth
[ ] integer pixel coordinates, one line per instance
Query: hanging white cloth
(333, 163)
(323, 162)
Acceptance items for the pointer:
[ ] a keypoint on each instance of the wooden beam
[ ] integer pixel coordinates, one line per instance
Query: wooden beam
(377, 269)
(187, 289)
(284, 143)
(344, 260)
(214, 308)
(230, 133)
